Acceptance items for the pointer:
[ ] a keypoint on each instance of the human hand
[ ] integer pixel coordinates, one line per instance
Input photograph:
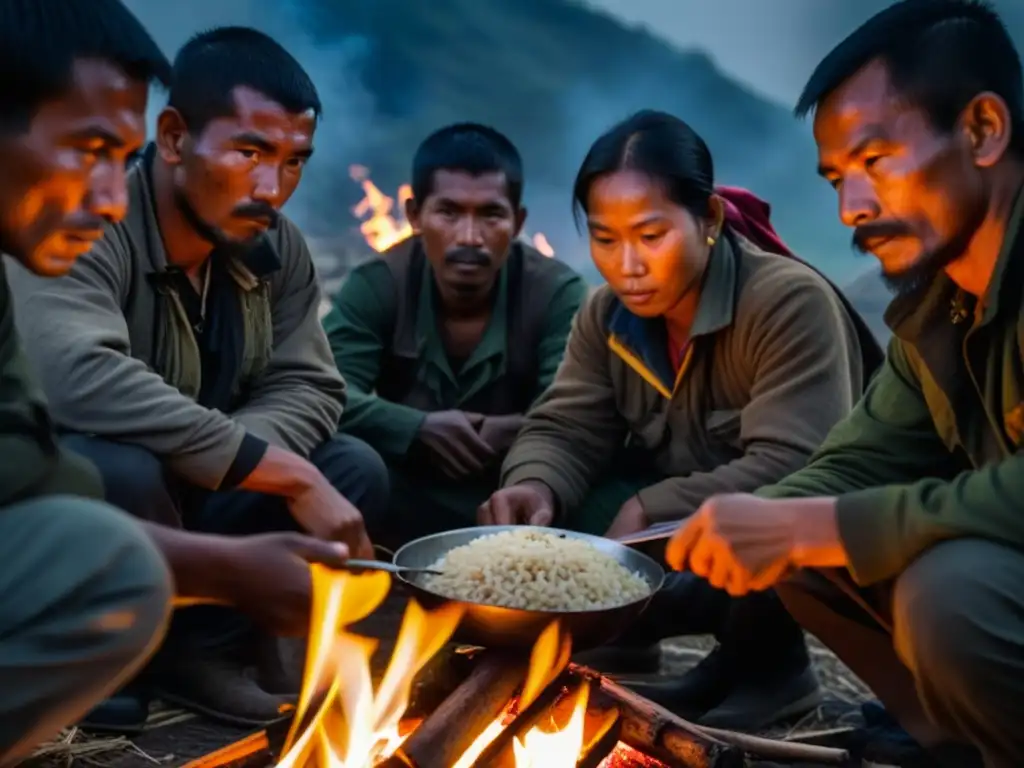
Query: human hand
(742, 543)
(328, 515)
(500, 432)
(453, 442)
(524, 504)
(630, 518)
(267, 577)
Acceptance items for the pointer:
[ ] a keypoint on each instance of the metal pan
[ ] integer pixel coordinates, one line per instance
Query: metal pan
(497, 627)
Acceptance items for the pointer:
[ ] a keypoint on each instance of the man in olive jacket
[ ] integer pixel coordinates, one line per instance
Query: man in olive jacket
(909, 520)
(447, 339)
(183, 355)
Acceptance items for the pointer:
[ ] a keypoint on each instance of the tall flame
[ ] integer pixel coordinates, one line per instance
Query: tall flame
(340, 722)
(383, 226)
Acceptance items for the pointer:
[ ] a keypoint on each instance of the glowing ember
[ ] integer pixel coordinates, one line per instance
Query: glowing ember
(384, 224)
(340, 721)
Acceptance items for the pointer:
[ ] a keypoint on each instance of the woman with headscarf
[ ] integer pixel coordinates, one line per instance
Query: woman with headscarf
(713, 361)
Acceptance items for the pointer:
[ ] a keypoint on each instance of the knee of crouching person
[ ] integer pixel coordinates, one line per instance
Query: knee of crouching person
(942, 608)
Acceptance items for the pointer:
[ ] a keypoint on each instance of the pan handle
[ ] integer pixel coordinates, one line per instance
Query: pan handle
(658, 532)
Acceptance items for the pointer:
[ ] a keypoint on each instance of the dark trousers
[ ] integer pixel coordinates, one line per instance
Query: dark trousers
(942, 646)
(84, 599)
(136, 481)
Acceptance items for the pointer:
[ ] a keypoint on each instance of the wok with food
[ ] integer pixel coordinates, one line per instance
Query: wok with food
(514, 580)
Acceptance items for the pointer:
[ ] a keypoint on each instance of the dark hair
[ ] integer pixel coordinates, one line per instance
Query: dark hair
(940, 54)
(659, 145)
(212, 64)
(41, 39)
(471, 148)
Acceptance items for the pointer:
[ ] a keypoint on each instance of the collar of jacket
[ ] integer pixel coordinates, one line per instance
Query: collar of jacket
(643, 342)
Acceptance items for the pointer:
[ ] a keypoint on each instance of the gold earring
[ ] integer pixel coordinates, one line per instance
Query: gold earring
(711, 240)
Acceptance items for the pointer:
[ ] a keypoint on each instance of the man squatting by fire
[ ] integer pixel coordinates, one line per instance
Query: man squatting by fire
(448, 338)
(713, 360)
(908, 523)
(85, 589)
(184, 357)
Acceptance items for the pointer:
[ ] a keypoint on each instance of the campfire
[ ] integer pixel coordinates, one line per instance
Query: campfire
(383, 223)
(530, 709)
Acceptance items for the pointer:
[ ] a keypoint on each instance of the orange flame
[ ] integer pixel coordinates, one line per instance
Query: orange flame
(383, 226)
(340, 722)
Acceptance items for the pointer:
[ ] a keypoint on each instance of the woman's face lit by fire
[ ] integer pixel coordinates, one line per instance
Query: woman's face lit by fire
(651, 251)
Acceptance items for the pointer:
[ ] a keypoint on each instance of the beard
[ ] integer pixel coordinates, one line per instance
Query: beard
(919, 276)
(217, 237)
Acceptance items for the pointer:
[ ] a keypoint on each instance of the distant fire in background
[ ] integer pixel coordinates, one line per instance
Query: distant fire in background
(383, 222)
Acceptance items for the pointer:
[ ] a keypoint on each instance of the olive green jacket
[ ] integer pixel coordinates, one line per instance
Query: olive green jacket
(933, 450)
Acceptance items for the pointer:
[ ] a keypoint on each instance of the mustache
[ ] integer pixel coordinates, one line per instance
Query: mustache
(256, 211)
(878, 230)
(473, 256)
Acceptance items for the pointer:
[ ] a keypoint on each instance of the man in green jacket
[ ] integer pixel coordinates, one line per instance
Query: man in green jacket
(909, 521)
(183, 355)
(84, 589)
(447, 339)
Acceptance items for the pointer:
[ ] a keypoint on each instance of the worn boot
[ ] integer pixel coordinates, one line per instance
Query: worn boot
(772, 675)
(221, 688)
(279, 663)
(760, 672)
(685, 605)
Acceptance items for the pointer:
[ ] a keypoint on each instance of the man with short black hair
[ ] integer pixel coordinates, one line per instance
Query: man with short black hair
(908, 521)
(183, 355)
(447, 339)
(84, 589)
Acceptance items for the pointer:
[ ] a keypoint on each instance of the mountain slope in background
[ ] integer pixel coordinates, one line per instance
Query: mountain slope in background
(553, 74)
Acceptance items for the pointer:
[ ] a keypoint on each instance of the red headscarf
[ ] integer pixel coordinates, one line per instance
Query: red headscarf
(749, 215)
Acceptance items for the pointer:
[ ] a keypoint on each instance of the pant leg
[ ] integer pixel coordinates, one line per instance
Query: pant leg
(133, 478)
(958, 625)
(84, 597)
(421, 506)
(942, 646)
(856, 624)
(351, 466)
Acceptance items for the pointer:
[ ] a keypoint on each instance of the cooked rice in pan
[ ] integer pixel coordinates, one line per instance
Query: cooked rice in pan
(536, 571)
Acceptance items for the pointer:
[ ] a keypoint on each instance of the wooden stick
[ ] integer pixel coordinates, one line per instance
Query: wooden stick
(452, 727)
(754, 745)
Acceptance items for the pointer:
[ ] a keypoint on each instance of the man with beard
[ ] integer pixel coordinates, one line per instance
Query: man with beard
(184, 357)
(84, 589)
(909, 525)
(448, 338)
